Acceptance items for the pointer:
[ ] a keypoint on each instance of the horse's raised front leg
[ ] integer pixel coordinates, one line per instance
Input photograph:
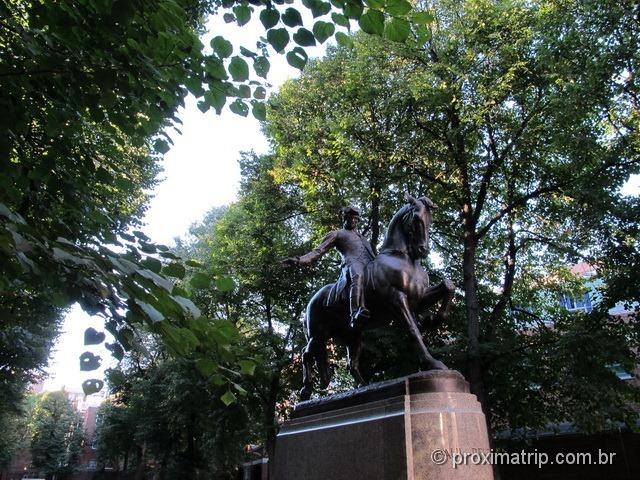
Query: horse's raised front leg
(354, 349)
(443, 293)
(401, 303)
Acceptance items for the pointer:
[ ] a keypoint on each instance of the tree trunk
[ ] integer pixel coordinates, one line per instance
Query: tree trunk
(270, 416)
(139, 475)
(472, 304)
(375, 217)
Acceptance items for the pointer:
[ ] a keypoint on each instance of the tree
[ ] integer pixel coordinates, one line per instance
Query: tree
(266, 301)
(57, 434)
(16, 428)
(166, 417)
(89, 90)
(521, 119)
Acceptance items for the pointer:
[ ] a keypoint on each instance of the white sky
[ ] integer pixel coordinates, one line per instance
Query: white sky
(200, 172)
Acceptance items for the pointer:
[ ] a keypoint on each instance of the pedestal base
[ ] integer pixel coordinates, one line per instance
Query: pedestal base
(408, 428)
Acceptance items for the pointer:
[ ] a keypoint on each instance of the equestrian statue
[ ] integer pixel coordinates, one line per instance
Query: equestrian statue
(373, 291)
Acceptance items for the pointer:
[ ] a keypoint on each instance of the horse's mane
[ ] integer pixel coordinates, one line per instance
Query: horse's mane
(399, 216)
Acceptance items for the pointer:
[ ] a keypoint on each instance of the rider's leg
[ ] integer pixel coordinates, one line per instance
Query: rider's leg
(357, 307)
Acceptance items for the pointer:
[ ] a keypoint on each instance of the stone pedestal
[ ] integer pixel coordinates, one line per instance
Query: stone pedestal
(389, 430)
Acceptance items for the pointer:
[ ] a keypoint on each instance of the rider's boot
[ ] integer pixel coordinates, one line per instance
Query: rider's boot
(358, 312)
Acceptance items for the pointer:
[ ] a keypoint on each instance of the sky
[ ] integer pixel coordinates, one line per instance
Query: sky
(200, 172)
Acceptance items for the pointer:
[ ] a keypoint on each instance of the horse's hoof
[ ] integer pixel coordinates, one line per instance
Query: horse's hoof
(438, 365)
(305, 394)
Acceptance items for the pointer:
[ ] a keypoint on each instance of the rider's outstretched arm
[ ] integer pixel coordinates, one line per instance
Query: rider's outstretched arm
(327, 244)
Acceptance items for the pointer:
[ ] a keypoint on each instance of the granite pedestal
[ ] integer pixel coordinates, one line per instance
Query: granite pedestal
(387, 431)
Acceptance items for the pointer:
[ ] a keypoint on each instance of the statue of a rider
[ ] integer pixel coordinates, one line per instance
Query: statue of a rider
(356, 254)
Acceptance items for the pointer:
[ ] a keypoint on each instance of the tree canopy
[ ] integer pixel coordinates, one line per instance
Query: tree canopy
(519, 120)
(90, 90)
(57, 434)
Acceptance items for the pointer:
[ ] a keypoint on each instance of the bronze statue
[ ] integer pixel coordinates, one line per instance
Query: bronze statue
(356, 254)
(395, 286)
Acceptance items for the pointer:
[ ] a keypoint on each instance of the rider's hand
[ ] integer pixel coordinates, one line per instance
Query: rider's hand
(290, 262)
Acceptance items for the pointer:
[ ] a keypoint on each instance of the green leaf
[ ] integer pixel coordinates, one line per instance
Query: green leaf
(194, 85)
(247, 367)
(397, 30)
(200, 280)
(203, 106)
(323, 30)
(92, 386)
(93, 337)
(278, 38)
(261, 66)
(291, 17)
(260, 93)
(222, 46)
(152, 314)
(297, 58)
(319, 9)
(161, 146)
(398, 7)
(206, 366)
(243, 14)
(259, 111)
(372, 22)
(378, 4)
(340, 19)
(228, 398)
(239, 108)
(215, 97)
(115, 377)
(422, 18)
(89, 362)
(239, 69)
(193, 263)
(188, 305)
(225, 284)
(353, 9)
(116, 350)
(239, 389)
(152, 264)
(244, 91)
(175, 269)
(304, 38)
(227, 330)
(247, 53)
(215, 68)
(269, 17)
(344, 39)
(228, 17)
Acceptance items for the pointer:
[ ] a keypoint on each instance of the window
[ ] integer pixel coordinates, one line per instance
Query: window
(620, 372)
(577, 302)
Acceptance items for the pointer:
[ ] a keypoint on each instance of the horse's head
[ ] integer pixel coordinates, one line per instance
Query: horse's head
(416, 222)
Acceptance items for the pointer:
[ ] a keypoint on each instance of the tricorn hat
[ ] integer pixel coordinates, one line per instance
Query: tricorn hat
(350, 210)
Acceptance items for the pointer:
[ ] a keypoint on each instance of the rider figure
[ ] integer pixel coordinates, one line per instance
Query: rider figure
(356, 254)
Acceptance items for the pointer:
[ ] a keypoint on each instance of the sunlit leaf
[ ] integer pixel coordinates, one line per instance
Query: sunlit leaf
(228, 398)
(278, 38)
(269, 17)
(297, 58)
(239, 69)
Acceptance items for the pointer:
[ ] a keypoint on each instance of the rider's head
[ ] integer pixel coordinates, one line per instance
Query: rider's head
(350, 217)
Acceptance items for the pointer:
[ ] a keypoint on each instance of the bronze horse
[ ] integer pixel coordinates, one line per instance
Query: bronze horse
(396, 288)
